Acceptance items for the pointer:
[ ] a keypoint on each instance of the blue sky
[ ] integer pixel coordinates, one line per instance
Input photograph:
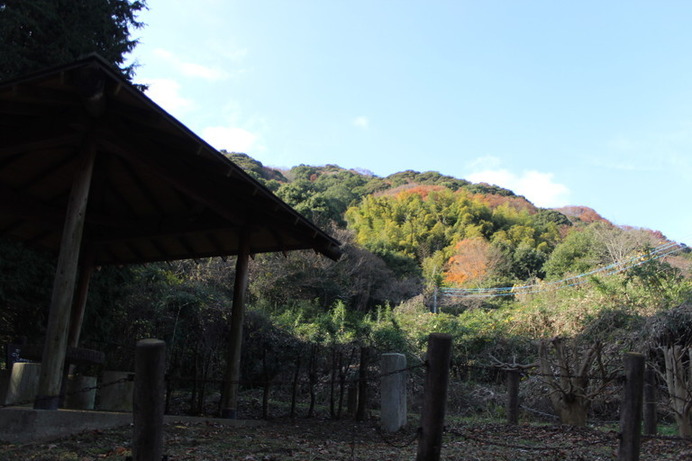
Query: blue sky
(568, 103)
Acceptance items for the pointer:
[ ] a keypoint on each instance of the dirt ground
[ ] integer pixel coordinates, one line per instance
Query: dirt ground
(328, 440)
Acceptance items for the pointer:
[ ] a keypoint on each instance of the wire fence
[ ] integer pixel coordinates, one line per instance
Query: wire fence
(67, 394)
(328, 387)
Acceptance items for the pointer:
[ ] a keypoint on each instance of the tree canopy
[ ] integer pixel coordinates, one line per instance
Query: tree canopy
(41, 33)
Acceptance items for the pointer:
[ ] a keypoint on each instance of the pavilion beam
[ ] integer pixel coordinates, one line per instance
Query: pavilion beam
(176, 171)
(55, 346)
(37, 144)
(20, 206)
(229, 403)
(180, 179)
(153, 229)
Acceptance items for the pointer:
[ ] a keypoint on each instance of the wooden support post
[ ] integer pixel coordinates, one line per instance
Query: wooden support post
(55, 346)
(631, 412)
(435, 397)
(513, 397)
(229, 403)
(150, 363)
(650, 398)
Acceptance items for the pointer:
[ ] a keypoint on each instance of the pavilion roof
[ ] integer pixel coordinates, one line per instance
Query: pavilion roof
(158, 191)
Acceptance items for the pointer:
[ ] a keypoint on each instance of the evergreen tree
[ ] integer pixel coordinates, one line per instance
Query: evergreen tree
(35, 34)
(40, 33)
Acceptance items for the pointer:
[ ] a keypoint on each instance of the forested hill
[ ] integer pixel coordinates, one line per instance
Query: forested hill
(451, 232)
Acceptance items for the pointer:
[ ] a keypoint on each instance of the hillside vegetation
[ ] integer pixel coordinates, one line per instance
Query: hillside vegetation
(504, 276)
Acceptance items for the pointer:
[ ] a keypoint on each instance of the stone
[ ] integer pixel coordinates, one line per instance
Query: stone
(23, 385)
(115, 395)
(81, 392)
(393, 392)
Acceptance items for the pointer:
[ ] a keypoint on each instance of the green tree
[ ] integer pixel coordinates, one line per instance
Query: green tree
(41, 33)
(545, 217)
(25, 284)
(270, 177)
(579, 252)
(428, 178)
(36, 34)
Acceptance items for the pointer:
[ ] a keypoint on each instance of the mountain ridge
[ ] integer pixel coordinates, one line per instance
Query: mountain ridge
(410, 179)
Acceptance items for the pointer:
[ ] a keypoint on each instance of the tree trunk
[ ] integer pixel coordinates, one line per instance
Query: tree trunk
(569, 394)
(679, 383)
(294, 388)
(312, 377)
(573, 413)
(265, 390)
(332, 402)
(363, 384)
(342, 383)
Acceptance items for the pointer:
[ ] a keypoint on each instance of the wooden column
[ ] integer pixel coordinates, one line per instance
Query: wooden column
(229, 404)
(63, 285)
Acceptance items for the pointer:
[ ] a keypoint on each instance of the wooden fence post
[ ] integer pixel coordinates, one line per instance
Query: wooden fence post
(150, 359)
(435, 397)
(513, 397)
(631, 412)
(650, 398)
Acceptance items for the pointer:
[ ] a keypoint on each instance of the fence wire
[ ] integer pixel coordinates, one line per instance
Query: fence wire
(347, 376)
(82, 390)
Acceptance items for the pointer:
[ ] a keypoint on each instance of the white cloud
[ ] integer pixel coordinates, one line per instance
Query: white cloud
(232, 54)
(487, 162)
(232, 139)
(539, 188)
(361, 122)
(166, 93)
(650, 152)
(191, 69)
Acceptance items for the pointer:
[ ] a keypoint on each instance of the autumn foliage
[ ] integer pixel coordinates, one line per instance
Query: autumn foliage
(471, 262)
(516, 202)
(583, 213)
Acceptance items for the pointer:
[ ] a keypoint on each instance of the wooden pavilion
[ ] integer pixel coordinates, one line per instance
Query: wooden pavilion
(94, 171)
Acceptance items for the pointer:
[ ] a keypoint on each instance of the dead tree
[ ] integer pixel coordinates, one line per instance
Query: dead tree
(569, 370)
(513, 373)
